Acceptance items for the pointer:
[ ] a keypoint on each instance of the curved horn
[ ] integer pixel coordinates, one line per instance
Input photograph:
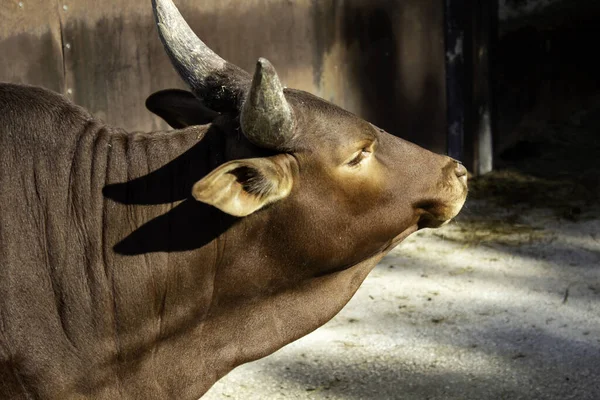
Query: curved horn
(220, 84)
(267, 119)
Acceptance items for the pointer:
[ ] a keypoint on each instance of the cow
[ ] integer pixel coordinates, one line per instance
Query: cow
(149, 265)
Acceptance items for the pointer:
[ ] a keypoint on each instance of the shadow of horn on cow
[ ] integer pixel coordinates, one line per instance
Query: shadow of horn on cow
(177, 230)
(187, 226)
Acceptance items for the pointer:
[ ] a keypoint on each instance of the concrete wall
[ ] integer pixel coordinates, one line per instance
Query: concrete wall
(383, 60)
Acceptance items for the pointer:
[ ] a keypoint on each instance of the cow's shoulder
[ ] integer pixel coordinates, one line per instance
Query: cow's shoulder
(27, 99)
(33, 105)
(32, 116)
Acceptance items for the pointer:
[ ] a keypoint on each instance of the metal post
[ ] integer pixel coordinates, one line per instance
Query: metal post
(483, 31)
(455, 33)
(470, 28)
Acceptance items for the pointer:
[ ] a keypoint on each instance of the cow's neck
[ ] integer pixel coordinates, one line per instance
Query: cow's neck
(158, 258)
(249, 319)
(196, 292)
(284, 313)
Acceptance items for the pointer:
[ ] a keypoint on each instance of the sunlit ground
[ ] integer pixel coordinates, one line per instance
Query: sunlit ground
(502, 304)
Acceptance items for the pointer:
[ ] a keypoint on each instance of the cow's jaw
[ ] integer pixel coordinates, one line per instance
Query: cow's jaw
(400, 237)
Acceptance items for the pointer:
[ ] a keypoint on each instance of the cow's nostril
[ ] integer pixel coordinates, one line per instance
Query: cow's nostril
(460, 170)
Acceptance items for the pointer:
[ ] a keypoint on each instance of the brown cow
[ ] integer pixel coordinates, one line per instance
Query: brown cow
(147, 266)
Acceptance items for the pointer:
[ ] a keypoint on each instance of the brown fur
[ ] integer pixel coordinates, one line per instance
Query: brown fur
(116, 283)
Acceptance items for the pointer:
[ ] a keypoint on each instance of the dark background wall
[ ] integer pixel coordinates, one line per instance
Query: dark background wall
(547, 68)
(547, 94)
(383, 60)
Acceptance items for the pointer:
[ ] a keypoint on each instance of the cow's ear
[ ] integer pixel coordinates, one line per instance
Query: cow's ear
(242, 187)
(179, 108)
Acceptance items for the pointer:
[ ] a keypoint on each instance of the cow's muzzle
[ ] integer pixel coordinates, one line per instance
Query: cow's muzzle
(448, 200)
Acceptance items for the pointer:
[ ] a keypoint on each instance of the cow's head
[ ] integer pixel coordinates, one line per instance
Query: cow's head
(332, 188)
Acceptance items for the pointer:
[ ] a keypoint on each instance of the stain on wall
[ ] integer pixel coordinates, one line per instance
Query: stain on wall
(30, 44)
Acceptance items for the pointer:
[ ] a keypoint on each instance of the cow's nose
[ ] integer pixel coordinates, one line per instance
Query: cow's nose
(460, 170)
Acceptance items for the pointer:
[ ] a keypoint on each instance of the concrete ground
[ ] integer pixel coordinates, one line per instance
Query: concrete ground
(504, 303)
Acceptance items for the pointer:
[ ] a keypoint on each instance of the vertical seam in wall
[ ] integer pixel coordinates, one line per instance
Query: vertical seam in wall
(62, 47)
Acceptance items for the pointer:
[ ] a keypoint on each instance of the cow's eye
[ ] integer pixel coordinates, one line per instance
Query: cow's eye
(360, 156)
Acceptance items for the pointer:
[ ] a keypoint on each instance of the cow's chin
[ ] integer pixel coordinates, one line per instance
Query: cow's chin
(440, 215)
(399, 238)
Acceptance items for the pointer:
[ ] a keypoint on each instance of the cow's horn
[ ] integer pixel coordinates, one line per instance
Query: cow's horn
(267, 119)
(220, 84)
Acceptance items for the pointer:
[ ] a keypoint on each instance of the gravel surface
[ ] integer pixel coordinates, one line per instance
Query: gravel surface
(504, 303)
